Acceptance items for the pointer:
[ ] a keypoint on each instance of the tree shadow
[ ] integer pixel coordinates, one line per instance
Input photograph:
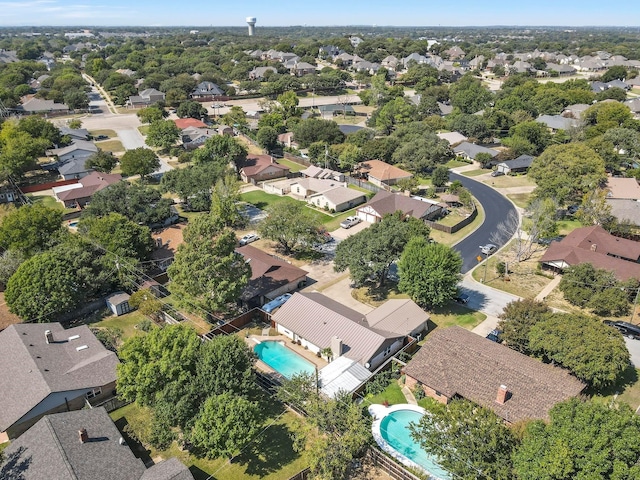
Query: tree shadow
(199, 474)
(627, 378)
(16, 465)
(272, 451)
(139, 451)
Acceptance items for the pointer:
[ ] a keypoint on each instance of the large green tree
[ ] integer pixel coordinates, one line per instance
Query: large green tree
(207, 272)
(516, 321)
(290, 225)
(469, 95)
(162, 134)
(191, 109)
(30, 229)
(193, 184)
(422, 153)
(591, 350)
(224, 426)
(118, 235)
(369, 253)
(567, 172)
(102, 161)
(317, 130)
(469, 441)
(139, 203)
(57, 281)
(221, 149)
(582, 440)
(151, 362)
(429, 272)
(139, 161)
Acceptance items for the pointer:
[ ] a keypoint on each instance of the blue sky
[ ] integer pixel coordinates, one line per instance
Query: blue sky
(322, 12)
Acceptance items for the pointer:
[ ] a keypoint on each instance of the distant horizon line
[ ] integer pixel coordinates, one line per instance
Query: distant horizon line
(258, 25)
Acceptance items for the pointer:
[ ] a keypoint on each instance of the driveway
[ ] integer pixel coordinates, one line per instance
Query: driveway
(485, 299)
(496, 208)
(342, 233)
(634, 349)
(131, 138)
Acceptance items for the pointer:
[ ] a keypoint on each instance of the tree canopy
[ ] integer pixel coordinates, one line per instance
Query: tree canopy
(429, 272)
(139, 161)
(290, 225)
(369, 253)
(317, 130)
(30, 229)
(516, 321)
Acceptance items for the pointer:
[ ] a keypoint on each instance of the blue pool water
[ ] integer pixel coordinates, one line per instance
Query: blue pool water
(282, 360)
(394, 428)
(73, 224)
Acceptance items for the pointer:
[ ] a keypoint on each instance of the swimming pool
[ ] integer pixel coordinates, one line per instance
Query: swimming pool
(391, 431)
(73, 224)
(281, 359)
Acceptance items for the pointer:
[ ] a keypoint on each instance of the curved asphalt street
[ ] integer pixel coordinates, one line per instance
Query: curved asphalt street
(496, 209)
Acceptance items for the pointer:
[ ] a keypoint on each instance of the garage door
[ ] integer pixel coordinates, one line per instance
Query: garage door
(366, 217)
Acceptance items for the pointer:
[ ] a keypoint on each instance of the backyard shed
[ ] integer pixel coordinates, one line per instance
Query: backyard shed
(118, 303)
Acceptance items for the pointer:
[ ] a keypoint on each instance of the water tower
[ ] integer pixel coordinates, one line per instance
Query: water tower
(251, 21)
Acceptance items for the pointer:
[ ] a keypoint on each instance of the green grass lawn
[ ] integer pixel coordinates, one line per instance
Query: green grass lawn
(113, 146)
(568, 225)
(293, 166)
(506, 181)
(626, 390)
(46, 200)
(453, 238)
(270, 456)
(144, 129)
(125, 322)
(455, 314)
(455, 163)
(105, 131)
(392, 394)
(520, 199)
(475, 173)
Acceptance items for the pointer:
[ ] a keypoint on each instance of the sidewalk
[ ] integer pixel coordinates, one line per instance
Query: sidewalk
(548, 289)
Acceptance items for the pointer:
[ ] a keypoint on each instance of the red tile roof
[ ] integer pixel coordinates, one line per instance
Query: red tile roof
(183, 123)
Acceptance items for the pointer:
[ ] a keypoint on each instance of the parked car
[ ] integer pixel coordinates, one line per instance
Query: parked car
(573, 209)
(497, 173)
(488, 249)
(276, 302)
(494, 335)
(462, 298)
(101, 137)
(248, 238)
(625, 328)
(349, 222)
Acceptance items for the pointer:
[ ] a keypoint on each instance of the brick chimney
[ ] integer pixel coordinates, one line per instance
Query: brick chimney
(83, 435)
(503, 395)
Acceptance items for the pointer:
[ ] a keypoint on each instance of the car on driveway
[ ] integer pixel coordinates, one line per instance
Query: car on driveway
(625, 328)
(462, 298)
(488, 249)
(276, 302)
(248, 238)
(494, 335)
(497, 173)
(350, 222)
(101, 137)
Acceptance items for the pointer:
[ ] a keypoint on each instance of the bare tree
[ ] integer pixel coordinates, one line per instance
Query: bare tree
(539, 221)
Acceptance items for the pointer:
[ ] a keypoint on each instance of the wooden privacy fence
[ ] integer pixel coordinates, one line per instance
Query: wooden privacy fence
(458, 226)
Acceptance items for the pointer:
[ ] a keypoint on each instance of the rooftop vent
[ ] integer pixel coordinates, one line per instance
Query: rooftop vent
(83, 435)
(81, 347)
(74, 337)
(48, 336)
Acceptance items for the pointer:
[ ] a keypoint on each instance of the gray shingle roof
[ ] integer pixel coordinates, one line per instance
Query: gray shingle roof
(31, 369)
(52, 450)
(523, 161)
(557, 122)
(471, 150)
(401, 316)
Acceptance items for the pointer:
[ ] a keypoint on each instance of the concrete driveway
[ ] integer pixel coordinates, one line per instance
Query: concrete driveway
(342, 233)
(485, 299)
(634, 350)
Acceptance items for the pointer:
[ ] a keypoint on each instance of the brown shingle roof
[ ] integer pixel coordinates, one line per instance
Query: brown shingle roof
(255, 164)
(268, 273)
(598, 239)
(626, 188)
(455, 361)
(382, 170)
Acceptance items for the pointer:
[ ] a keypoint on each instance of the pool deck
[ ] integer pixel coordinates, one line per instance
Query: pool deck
(306, 354)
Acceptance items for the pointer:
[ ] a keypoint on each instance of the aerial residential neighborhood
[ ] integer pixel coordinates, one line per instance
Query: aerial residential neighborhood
(349, 252)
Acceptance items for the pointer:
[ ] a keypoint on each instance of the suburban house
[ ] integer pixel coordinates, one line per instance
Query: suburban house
(206, 91)
(319, 323)
(81, 445)
(307, 186)
(517, 165)
(194, 137)
(575, 111)
(183, 123)
(314, 171)
(31, 105)
(619, 188)
(596, 246)
(381, 173)
(270, 276)
(258, 73)
(167, 242)
(72, 158)
(286, 139)
(456, 363)
(469, 150)
(75, 134)
(625, 210)
(557, 122)
(258, 168)
(46, 369)
(454, 138)
(300, 69)
(146, 97)
(79, 194)
(385, 203)
(337, 199)
(118, 303)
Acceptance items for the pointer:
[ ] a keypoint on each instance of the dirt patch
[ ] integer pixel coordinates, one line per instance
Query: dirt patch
(6, 317)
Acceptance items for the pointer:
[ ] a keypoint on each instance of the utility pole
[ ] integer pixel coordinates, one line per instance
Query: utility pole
(326, 155)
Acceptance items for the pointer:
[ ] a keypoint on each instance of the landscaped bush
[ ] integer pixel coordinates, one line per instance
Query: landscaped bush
(378, 383)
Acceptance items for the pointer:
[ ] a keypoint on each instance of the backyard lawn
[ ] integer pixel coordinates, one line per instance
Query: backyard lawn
(453, 238)
(46, 200)
(627, 390)
(270, 456)
(293, 166)
(392, 395)
(127, 323)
